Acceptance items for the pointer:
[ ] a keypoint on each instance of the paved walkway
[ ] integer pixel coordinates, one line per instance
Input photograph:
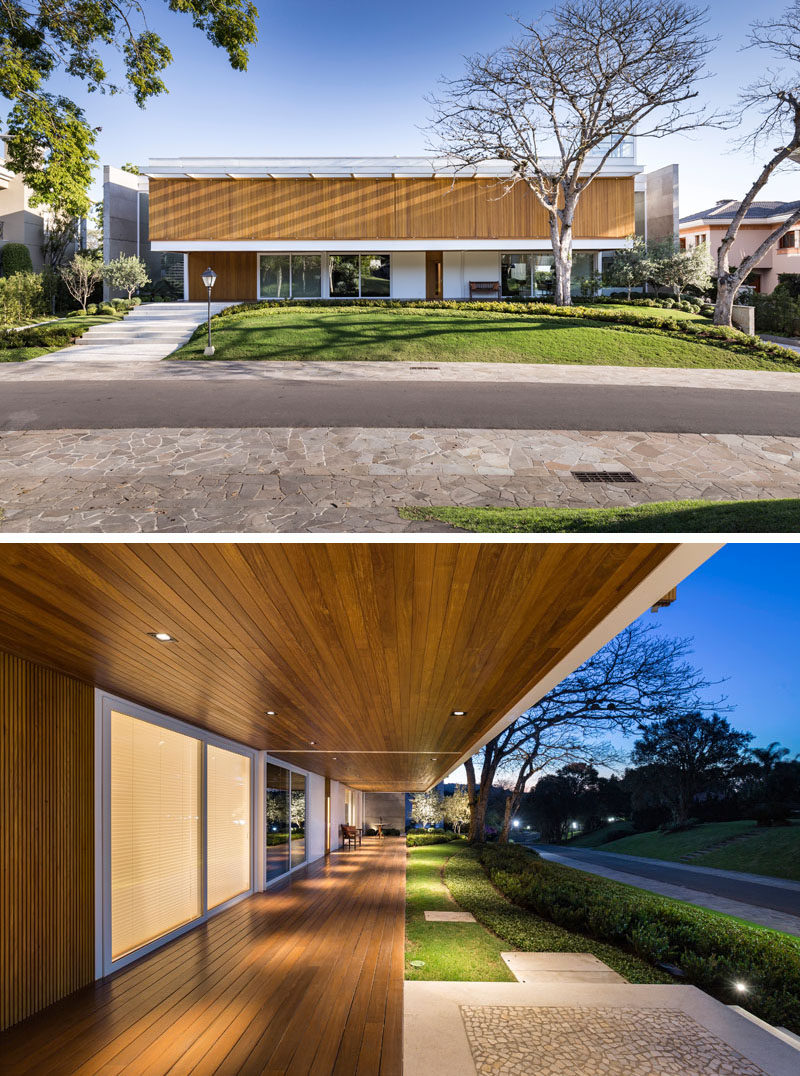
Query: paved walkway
(770, 902)
(146, 335)
(355, 479)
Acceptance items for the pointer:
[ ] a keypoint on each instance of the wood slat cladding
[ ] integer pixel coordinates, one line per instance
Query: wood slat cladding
(236, 276)
(359, 647)
(306, 978)
(363, 209)
(46, 837)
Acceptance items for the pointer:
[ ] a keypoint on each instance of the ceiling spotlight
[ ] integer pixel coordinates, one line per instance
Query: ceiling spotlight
(458, 713)
(312, 743)
(434, 760)
(162, 636)
(270, 713)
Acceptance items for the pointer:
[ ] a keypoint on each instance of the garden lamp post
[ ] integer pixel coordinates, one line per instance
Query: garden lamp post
(209, 278)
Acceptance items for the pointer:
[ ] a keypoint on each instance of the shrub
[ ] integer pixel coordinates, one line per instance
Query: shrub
(415, 840)
(106, 308)
(22, 298)
(713, 951)
(16, 258)
(53, 335)
(778, 312)
(91, 308)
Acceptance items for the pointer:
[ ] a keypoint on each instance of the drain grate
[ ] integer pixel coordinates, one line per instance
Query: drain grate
(604, 476)
(424, 367)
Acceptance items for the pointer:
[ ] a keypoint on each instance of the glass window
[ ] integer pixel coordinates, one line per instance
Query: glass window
(298, 819)
(306, 276)
(156, 845)
(544, 281)
(515, 275)
(278, 821)
(274, 276)
(228, 832)
(582, 269)
(375, 276)
(343, 273)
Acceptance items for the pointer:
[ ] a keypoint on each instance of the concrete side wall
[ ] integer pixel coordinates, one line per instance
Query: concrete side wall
(337, 813)
(386, 807)
(22, 223)
(661, 203)
(315, 815)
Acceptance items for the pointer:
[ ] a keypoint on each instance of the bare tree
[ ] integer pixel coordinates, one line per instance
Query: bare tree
(776, 97)
(561, 99)
(638, 677)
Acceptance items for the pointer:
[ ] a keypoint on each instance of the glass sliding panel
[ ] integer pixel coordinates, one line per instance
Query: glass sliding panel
(298, 819)
(544, 281)
(156, 844)
(515, 275)
(343, 273)
(228, 825)
(582, 269)
(278, 821)
(306, 276)
(273, 276)
(375, 276)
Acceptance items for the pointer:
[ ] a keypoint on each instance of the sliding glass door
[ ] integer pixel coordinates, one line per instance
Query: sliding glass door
(176, 828)
(286, 820)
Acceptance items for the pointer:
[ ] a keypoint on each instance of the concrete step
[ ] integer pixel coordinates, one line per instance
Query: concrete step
(560, 968)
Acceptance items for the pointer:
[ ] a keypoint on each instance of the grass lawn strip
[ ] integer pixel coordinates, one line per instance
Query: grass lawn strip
(773, 851)
(673, 517)
(76, 326)
(419, 334)
(523, 930)
(464, 952)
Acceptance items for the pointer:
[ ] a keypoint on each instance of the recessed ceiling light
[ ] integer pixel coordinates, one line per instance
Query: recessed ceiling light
(162, 636)
(270, 713)
(312, 743)
(458, 713)
(434, 760)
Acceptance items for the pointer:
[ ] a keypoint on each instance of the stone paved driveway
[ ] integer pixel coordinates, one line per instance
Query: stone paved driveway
(354, 480)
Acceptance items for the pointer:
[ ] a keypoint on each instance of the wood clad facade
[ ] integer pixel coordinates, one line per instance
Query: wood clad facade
(236, 271)
(46, 836)
(361, 209)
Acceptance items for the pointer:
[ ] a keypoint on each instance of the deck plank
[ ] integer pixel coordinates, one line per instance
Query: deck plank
(305, 978)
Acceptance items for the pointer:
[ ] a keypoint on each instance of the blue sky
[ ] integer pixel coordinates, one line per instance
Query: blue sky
(742, 610)
(350, 78)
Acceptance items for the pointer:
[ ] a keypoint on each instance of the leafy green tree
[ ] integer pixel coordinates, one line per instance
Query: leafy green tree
(681, 269)
(456, 808)
(49, 140)
(628, 268)
(427, 808)
(127, 273)
(694, 753)
(81, 275)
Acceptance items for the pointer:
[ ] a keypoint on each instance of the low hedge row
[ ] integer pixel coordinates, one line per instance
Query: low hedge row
(715, 952)
(414, 840)
(54, 335)
(704, 332)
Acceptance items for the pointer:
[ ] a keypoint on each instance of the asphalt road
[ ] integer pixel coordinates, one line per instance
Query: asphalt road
(463, 405)
(771, 893)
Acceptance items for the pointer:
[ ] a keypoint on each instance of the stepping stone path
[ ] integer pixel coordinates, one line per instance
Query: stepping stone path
(560, 968)
(700, 852)
(449, 917)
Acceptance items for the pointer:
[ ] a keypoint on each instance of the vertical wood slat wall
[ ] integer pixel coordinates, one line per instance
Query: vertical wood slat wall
(46, 837)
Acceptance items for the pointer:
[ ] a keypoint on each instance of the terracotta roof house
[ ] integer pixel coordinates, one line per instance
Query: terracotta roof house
(710, 225)
(367, 227)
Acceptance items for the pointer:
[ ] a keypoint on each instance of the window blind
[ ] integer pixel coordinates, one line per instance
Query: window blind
(156, 846)
(228, 840)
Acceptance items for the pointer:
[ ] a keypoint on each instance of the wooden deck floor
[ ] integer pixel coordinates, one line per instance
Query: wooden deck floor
(307, 978)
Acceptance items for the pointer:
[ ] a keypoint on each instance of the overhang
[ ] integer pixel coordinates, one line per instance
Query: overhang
(364, 651)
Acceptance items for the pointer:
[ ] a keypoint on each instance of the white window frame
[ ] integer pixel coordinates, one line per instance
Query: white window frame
(323, 266)
(263, 812)
(105, 703)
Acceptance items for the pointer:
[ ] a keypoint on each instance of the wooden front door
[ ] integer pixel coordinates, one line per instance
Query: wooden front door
(433, 274)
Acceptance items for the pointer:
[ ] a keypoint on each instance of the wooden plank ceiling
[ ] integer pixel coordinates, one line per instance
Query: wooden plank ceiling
(363, 648)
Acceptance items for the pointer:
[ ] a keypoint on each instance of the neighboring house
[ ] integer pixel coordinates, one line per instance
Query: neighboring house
(19, 221)
(710, 225)
(374, 227)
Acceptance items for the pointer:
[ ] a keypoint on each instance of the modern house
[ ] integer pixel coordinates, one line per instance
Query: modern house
(710, 225)
(369, 227)
(186, 728)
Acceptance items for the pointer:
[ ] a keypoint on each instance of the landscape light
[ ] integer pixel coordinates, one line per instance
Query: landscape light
(209, 279)
(741, 987)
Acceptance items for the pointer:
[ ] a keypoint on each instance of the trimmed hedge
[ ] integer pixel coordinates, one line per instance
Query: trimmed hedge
(630, 320)
(53, 335)
(16, 258)
(415, 840)
(714, 951)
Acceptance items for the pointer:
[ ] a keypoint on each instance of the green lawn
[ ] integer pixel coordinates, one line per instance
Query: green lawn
(454, 335)
(600, 836)
(20, 354)
(771, 851)
(751, 517)
(451, 951)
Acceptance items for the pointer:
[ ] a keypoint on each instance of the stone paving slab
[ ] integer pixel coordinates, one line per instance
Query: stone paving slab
(449, 917)
(229, 480)
(559, 967)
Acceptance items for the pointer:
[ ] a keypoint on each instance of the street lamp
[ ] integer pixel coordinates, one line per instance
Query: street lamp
(209, 279)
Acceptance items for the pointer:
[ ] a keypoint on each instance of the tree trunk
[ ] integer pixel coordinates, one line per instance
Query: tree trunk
(478, 792)
(727, 287)
(561, 240)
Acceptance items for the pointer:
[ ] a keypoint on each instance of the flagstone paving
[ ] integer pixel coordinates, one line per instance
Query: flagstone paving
(355, 479)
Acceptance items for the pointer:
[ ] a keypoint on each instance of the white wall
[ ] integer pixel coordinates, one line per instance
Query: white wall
(337, 814)
(452, 275)
(408, 274)
(459, 267)
(315, 814)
